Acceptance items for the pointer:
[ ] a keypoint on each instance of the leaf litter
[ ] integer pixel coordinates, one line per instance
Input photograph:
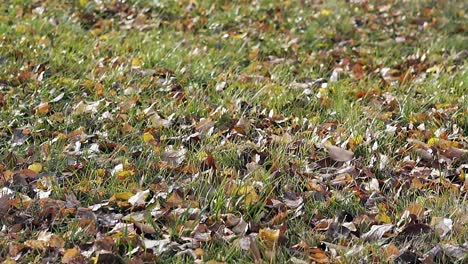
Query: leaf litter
(278, 135)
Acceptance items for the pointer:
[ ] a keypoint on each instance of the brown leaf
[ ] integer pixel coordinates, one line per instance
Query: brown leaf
(175, 199)
(453, 152)
(2, 100)
(242, 126)
(15, 248)
(145, 228)
(70, 255)
(255, 251)
(105, 257)
(339, 154)
(415, 230)
(241, 227)
(204, 125)
(317, 255)
(416, 209)
(42, 109)
(4, 204)
(390, 251)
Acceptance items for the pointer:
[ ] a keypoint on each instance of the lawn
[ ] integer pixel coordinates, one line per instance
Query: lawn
(146, 131)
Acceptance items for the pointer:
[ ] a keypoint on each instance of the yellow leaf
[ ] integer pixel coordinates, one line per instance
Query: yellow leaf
(354, 142)
(147, 137)
(121, 175)
(251, 195)
(384, 218)
(101, 172)
(326, 12)
(124, 196)
(390, 251)
(83, 3)
(36, 167)
(251, 198)
(432, 141)
(199, 252)
(99, 89)
(88, 84)
(136, 63)
(69, 255)
(269, 236)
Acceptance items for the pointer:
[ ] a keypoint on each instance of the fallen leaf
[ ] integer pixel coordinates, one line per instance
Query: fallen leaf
(139, 198)
(174, 200)
(70, 255)
(148, 137)
(338, 154)
(442, 226)
(416, 209)
(377, 231)
(391, 251)
(36, 167)
(158, 246)
(42, 108)
(105, 257)
(269, 236)
(415, 230)
(457, 252)
(317, 255)
(174, 157)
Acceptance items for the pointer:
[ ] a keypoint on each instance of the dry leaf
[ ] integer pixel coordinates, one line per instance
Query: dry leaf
(174, 157)
(42, 108)
(377, 232)
(36, 167)
(70, 254)
(442, 226)
(339, 154)
(269, 236)
(139, 198)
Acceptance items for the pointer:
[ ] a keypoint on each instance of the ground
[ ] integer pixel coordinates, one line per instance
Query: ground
(147, 131)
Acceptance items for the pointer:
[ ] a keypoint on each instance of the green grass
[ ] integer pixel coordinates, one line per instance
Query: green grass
(142, 53)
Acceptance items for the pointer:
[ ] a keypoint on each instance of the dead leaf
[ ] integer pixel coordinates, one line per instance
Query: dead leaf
(4, 204)
(269, 236)
(174, 200)
(442, 226)
(377, 231)
(43, 108)
(391, 251)
(317, 255)
(415, 230)
(255, 251)
(458, 252)
(416, 209)
(158, 246)
(106, 257)
(174, 157)
(70, 255)
(339, 154)
(36, 167)
(139, 198)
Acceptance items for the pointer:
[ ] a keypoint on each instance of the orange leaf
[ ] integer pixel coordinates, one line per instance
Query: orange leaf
(69, 255)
